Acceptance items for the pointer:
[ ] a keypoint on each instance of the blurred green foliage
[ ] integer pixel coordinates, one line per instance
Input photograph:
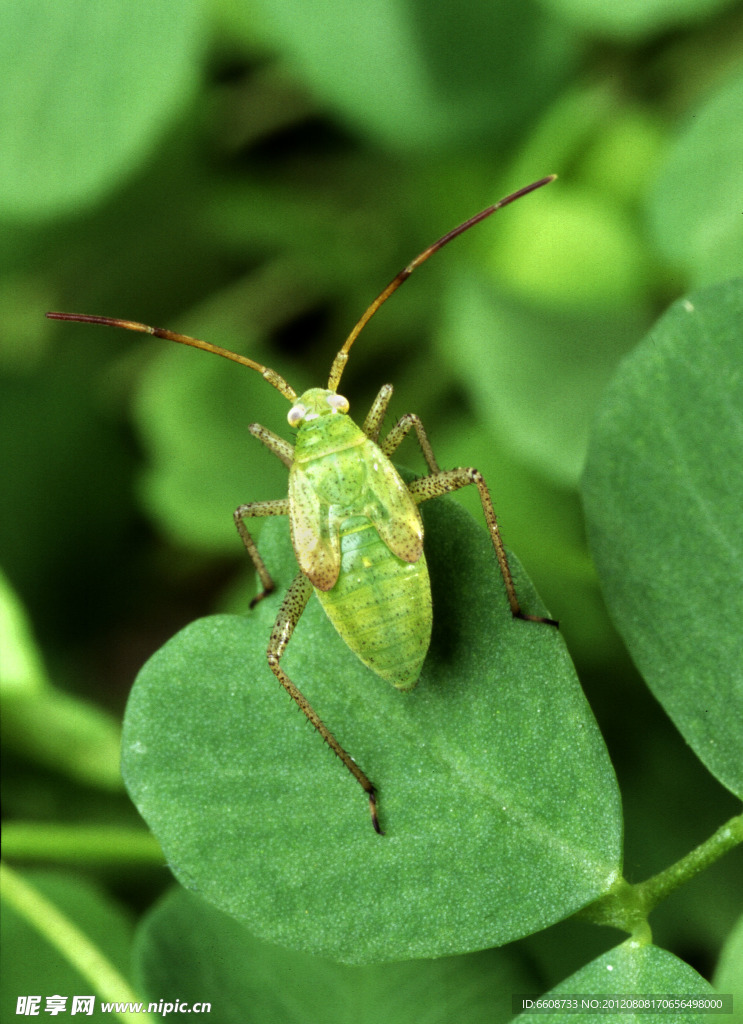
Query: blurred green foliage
(254, 172)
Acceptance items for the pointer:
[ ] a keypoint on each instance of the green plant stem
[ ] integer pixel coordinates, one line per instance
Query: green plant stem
(658, 887)
(71, 943)
(80, 844)
(627, 906)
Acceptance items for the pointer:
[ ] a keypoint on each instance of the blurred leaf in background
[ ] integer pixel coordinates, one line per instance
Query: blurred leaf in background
(690, 205)
(254, 173)
(473, 988)
(85, 100)
(44, 723)
(32, 963)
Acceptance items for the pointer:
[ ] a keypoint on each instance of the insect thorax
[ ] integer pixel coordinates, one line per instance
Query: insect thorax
(331, 454)
(322, 426)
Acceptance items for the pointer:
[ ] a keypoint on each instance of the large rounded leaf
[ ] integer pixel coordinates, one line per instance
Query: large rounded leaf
(633, 971)
(498, 800)
(189, 951)
(663, 493)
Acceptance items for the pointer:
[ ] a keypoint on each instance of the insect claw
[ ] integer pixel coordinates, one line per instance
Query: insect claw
(537, 618)
(373, 809)
(259, 597)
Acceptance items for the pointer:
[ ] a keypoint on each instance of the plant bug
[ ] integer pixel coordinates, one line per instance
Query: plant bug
(355, 525)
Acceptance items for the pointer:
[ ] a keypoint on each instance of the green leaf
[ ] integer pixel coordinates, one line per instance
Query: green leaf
(634, 19)
(539, 397)
(22, 671)
(65, 733)
(632, 969)
(729, 973)
(187, 950)
(31, 965)
(85, 92)
(576, 250)
(496, 793)
(417, 76)
(694, 209)
(52, 727)
(662, 493)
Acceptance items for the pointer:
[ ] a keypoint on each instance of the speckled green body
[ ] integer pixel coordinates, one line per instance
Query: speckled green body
(380, 605)
(358, 537)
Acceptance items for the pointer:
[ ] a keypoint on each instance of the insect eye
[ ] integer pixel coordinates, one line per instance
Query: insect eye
(337, 402)
(295, 415)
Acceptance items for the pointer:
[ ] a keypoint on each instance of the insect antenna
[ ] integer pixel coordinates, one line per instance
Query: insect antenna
(339, 363)
(273, 378)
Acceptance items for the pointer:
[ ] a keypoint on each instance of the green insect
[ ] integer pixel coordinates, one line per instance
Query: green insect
(355, 525)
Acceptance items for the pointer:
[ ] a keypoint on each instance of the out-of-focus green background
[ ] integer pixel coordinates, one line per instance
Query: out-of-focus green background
(254, 173)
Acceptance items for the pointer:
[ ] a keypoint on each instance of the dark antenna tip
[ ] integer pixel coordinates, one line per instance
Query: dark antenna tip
(339, 363)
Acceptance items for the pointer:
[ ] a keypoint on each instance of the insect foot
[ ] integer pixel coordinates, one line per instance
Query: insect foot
(536, 618)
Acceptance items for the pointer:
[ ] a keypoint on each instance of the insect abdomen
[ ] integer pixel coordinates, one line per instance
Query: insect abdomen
(380, 605)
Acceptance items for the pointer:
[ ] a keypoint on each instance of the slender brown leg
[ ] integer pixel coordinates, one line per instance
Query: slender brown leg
(401, 430)
(373, 425)
(447, 481)
(257, 509)
(444, 482)
(281, 449)
(289, 614)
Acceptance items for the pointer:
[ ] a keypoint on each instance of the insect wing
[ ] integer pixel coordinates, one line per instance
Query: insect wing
(392, 510)
(315, 532)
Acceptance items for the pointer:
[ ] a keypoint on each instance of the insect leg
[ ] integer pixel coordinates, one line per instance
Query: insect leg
(400, 430)
(289, 614)
(373, 422)
(281, 449)
(257, 509)
(447, 481)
